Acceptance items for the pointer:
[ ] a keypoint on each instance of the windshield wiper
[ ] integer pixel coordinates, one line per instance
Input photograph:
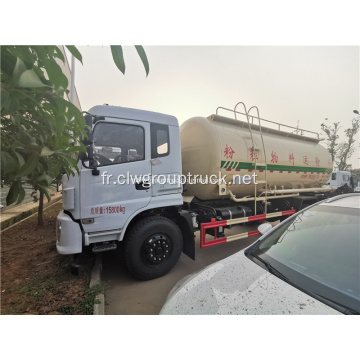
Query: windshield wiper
(271, 269)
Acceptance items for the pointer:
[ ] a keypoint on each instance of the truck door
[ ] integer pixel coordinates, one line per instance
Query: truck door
(122, 154)
(166, 160)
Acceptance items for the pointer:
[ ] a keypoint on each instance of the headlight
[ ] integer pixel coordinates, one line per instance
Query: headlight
(58, 230)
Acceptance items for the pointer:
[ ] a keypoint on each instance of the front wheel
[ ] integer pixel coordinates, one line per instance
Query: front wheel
(152, 247)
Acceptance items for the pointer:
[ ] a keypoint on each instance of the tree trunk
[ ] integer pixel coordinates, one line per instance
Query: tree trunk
(40, 210)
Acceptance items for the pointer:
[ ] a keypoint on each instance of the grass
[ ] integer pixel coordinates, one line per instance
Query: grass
(86, 306)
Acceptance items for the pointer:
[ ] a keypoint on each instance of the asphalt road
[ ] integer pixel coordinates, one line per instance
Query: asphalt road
(128, 296)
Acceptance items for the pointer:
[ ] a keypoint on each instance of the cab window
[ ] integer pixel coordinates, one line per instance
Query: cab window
(159, 140)
(118, 143)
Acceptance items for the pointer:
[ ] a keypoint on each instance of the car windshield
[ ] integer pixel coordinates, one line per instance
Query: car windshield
(322, 245)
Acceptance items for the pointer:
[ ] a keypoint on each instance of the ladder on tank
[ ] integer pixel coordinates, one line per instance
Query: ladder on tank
(255, 163)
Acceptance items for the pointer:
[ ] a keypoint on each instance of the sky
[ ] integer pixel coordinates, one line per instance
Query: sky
(289, 84)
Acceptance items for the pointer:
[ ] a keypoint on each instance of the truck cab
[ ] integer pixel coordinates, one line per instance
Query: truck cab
(340, 178)
(122, 193)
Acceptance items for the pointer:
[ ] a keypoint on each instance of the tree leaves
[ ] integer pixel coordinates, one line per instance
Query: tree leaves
(13, 193)
(21, 194)
(18, 71)
(55, 74)
(16, 193)
(143, 58)
(39, 127)
(25, 54)
(29, 79)
(75, 52)
(20, 159)
(8, 163)
(118, 56)
(347, 148)
(37, 123)
(45, 151)
(29, 165)
(9, 104)
(340, 153)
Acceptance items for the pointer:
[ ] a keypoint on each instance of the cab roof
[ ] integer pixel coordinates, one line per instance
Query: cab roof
(133, 114)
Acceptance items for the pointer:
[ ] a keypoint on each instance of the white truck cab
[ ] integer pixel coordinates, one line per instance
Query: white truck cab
(340, 178)
(110, 200)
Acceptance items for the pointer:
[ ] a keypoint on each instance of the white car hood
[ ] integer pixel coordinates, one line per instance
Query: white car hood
(236, 285)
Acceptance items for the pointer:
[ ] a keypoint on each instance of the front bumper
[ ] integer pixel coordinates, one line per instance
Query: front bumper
(68, 235)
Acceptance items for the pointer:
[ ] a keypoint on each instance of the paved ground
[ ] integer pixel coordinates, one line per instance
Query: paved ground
(127, 296)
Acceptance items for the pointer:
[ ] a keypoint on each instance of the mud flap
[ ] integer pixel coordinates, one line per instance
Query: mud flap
(187, 230)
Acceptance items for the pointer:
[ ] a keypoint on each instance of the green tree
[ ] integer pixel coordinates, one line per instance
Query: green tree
(332, 136)
(341, 152)
(40, 129)
(347, 148)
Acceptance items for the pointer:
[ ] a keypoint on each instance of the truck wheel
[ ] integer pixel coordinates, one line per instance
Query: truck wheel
(152, 247)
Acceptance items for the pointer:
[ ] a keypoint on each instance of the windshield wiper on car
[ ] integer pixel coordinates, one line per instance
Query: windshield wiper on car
(271, 269)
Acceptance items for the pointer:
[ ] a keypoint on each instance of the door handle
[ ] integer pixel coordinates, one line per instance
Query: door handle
(140, 186)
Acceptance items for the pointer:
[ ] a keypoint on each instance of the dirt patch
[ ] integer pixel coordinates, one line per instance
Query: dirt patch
(35, 279)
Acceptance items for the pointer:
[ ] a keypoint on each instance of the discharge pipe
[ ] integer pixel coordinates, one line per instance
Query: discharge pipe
(284, 193)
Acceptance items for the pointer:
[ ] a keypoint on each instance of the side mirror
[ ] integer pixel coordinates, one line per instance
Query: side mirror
(264, 228)
(89, 122)
(89, 156)
(88, 142)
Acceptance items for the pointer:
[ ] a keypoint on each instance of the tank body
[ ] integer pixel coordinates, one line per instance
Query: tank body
(222, 146)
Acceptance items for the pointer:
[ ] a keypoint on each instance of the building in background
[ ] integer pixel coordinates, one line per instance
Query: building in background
(67, 71)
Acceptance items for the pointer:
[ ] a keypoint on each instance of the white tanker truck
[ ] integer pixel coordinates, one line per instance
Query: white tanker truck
(147, 185)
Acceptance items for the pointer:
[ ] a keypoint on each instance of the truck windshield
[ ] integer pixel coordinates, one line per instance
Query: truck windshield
(319, 246)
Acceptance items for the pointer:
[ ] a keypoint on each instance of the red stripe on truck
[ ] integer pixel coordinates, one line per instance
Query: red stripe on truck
(257, 217)
(288, 212)
(216, 224)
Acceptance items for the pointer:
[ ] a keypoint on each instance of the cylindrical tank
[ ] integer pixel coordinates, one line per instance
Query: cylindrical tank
(221, 146)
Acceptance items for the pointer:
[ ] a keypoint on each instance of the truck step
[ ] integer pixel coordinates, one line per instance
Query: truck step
(104, 247)
(261, 181)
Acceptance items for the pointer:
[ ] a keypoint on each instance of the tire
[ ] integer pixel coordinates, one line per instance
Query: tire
(152, 247)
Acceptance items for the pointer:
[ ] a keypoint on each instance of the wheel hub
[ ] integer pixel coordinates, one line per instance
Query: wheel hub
(157, 249)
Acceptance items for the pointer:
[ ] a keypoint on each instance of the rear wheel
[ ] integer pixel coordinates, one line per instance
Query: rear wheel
(152, 247)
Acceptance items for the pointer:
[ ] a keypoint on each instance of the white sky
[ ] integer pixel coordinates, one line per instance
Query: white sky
(287, 83)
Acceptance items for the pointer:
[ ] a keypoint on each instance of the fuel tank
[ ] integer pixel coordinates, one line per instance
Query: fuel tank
(222, 146)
